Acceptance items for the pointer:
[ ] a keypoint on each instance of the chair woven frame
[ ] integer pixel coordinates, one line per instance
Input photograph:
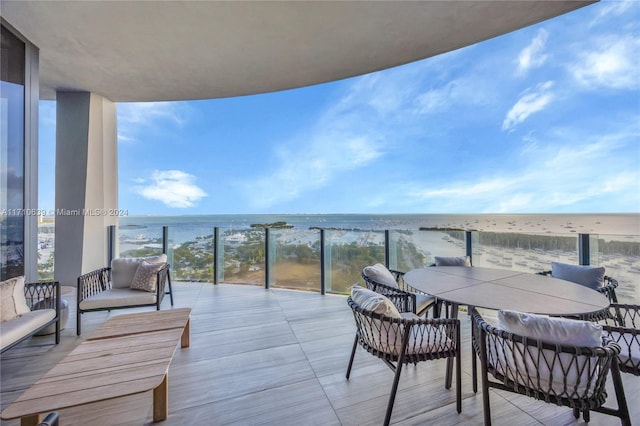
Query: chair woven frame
(623, 326)
(569, 376)
(400, 341)
(403, 297)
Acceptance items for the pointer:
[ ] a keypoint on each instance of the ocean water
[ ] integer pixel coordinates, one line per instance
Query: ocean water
(146, 231)
(188, 227)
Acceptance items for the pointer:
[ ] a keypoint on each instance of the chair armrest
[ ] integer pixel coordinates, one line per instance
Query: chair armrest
(43, 295)
(93, 283)
(161, 282)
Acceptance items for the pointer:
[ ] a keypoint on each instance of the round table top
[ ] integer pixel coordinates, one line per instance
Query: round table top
(504, 289)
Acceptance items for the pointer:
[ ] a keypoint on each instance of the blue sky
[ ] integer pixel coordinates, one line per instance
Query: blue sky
(542, 120)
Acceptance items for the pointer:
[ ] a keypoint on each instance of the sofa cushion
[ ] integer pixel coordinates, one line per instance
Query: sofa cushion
(118, 297)
(13, 302)
(123, 270)
(145, 278)
(24, 325)
(452, 260)
(589, 276)
(380, 274)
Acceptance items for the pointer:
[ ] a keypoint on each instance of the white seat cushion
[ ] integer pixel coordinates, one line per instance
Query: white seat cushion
(118, 297)
(23, 325)
(380, 274)
(589, 276)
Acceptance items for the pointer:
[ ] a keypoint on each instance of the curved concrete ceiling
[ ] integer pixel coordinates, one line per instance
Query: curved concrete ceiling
(180, 50)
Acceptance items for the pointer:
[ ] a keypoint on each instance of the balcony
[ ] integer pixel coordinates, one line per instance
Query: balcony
(276, 356)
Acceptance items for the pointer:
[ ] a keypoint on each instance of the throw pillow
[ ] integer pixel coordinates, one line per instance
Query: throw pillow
(589, 276)
(374, 302)
(123, 270)
(380, 274)
(145, 277)
(452, 261)
(13, 302)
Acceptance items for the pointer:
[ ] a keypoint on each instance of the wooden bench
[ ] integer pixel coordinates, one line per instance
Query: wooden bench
(128, 354)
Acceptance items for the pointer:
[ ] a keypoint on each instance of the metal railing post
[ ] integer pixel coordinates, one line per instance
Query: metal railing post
(584, 253)
(165, 239)
(266, 258)
(469, 244)
(216, 242)
(111, 243)
(386, 248)
(322, 269)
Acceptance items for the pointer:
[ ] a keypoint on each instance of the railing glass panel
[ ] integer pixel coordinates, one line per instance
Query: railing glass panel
(412, 249)
(46, 248)
(349, 252)
(620, 256)
(295, 258)
(191, 260)
(243, 256)
(524, 252)
(139, 240)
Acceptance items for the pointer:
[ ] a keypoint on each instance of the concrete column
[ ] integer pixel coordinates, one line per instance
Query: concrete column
(86, 182)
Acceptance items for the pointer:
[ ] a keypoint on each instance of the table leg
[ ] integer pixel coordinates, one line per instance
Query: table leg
(31, 420)
(185, 339)
(449, 373)
(161, 400)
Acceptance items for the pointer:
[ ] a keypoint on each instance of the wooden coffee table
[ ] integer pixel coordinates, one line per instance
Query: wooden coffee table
(128, 354)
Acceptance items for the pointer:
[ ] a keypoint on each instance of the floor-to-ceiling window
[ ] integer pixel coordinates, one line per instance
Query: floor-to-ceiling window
(12, 155)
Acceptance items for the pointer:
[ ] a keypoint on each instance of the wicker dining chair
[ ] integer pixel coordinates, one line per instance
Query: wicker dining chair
(608, 288)
(623, 327)
(554, 373)
(398, 341)
(405, 297)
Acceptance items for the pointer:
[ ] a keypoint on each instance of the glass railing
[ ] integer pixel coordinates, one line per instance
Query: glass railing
(331, 260)
(620, 256)
(294, 259)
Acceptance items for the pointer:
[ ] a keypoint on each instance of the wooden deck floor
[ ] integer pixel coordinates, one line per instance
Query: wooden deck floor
(278, 357)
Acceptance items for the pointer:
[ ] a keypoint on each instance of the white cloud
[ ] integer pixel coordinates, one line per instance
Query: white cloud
(612, 63)
(607, 9)
(533, 56)
(310, 167)
(562, 174)
(134, 117)
(174, 188)
(530, 102)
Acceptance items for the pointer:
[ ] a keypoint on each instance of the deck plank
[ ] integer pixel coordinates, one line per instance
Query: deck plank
(278, 357)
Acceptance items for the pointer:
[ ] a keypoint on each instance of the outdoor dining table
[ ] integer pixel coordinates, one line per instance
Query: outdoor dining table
(505, 289)
(492, 288)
